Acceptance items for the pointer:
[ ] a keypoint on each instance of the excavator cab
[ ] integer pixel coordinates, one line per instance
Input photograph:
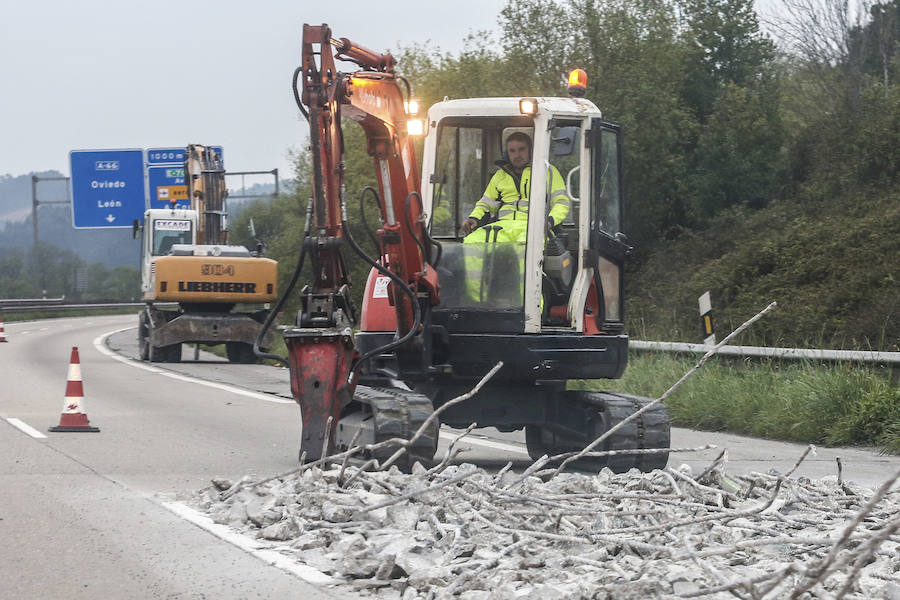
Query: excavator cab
(548, 304)
(568, 279)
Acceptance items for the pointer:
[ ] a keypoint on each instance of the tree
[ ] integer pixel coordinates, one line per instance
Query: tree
(724, 46)
(731, 85)
(876, 46)
(538, 42)
(822, 37)
(635, 64)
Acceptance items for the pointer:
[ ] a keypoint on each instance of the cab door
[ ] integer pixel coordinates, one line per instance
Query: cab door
(607, 244)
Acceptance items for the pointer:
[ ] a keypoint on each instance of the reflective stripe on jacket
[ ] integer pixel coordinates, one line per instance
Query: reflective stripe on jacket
(504, 199)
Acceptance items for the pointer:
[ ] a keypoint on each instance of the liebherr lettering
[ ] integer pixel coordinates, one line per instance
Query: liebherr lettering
(229, 287)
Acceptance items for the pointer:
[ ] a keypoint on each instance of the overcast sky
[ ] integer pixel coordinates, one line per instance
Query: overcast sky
(95, 74)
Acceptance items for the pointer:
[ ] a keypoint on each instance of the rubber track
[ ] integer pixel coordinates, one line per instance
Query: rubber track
(400, 413)
(653, 431)
(612, 411)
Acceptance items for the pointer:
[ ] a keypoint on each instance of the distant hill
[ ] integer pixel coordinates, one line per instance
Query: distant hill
(15, 193)
(830, 263)
(112, 247)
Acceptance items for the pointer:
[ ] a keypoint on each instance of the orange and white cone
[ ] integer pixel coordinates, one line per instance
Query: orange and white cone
(73, 417)
(2, 332)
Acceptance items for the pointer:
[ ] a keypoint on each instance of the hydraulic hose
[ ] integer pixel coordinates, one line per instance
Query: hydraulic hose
(417, 310)
(428, 238)
(362, 212)
(409, 229)
(297, 72)
(290, 287)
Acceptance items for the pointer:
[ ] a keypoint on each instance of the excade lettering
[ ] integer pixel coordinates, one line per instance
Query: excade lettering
(228, 287)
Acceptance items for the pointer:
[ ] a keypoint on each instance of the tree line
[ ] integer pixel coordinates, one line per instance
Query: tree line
(768, 165)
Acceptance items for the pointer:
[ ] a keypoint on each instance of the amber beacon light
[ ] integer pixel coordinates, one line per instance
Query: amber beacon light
(577, 83)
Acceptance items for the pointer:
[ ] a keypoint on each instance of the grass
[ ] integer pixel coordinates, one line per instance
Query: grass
(828, 404)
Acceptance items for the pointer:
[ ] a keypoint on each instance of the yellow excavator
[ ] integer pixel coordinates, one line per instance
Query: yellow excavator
(222, 290)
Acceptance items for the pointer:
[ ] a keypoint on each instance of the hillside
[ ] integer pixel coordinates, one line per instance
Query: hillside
(831, 264)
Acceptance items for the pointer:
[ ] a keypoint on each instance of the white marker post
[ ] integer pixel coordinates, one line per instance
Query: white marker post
(709, 336)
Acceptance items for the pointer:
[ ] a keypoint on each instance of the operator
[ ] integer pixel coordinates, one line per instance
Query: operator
(506, 197)
(501, 216)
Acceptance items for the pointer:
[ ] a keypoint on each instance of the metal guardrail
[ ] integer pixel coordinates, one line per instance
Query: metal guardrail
(46, 307)
(892, 358)
(30, 301)
(763, 351)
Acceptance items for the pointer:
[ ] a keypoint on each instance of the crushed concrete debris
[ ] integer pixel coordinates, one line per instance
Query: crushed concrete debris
(459, 531)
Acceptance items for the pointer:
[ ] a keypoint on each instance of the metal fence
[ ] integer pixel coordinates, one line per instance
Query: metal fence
(779, 353)
(56, 305)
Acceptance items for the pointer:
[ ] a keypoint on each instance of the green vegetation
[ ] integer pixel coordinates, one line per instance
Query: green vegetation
(53, 272)
(755, 170)
(755, 174)
(834, 404)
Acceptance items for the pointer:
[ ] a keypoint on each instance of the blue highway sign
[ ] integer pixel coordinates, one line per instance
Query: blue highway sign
(167, 184)
(107, 187)
(165, 156)
(171, 156)
(165, 176)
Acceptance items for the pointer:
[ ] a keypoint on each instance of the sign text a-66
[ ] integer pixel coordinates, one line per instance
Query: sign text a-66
(214, 269)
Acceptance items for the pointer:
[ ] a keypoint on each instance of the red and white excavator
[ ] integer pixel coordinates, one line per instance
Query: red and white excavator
(438, 314)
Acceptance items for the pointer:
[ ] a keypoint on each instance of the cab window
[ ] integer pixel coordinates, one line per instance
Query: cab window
(167, 233)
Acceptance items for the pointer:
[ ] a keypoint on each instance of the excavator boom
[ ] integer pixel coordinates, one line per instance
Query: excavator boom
(373, 97)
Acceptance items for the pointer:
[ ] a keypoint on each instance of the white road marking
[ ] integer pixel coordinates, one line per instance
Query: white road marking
(21, 425)
(44, 329)
(249, 545)
(100, 345)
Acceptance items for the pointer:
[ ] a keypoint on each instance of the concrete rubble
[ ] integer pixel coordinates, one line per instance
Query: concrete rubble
(459, 531)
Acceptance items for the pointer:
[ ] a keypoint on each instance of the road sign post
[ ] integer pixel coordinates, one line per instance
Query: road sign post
(709, 336)
(107, 187)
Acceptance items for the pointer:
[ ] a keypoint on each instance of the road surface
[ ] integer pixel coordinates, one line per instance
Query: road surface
(89, 515)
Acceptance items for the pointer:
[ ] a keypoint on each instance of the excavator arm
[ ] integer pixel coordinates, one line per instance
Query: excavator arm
(323, 357)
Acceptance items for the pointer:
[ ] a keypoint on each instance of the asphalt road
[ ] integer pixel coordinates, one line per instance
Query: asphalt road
(88, 515)
(82, 514)
(863, 465)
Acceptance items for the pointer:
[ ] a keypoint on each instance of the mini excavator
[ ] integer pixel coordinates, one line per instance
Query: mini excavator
(431, 324)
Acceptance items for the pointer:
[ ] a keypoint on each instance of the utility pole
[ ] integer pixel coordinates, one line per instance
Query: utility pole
(34, 216)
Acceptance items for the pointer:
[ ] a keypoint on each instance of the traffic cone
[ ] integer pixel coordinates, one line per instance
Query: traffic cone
(2, 332)
(73, 417)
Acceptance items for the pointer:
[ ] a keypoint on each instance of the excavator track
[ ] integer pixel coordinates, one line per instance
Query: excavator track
(386, 413)
(605, 410)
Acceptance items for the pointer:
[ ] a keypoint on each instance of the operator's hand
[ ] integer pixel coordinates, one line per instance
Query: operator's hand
(468, 226)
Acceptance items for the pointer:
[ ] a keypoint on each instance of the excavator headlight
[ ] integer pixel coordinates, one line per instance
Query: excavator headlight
(411, 107)
(415, 127)
(528, 106)
(577, 83)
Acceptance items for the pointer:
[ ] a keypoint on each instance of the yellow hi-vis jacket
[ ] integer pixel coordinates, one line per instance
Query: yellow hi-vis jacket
(506, 196)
